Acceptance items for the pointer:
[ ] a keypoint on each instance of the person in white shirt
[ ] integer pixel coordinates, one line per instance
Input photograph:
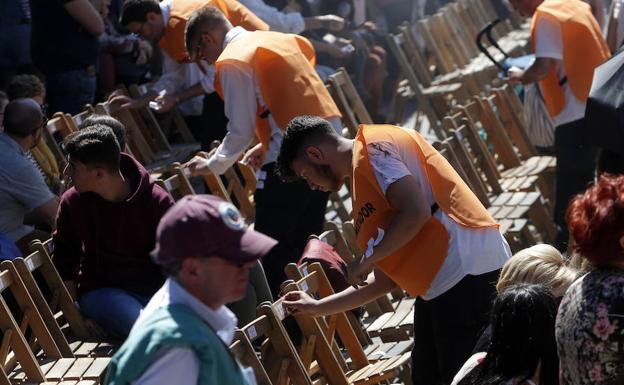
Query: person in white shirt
(568, 45)
(183, 82)
(182, 335)
(254, 106)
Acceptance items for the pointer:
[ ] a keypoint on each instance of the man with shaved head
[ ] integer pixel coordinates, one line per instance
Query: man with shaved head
(22, 188)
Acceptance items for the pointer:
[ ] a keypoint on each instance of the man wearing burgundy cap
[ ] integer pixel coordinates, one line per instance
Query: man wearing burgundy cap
(182, 336)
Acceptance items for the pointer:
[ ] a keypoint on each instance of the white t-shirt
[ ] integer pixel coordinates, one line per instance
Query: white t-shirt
(549, 44)
(471, 251)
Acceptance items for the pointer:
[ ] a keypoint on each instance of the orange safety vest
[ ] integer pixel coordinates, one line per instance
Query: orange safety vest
(584, 48)
(172, 40)
(414, 266)
(289, 85)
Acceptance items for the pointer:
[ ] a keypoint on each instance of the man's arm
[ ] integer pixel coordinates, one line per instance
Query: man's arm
(548, 49)
(412, 212)
(86, 15)
(240, 108)
(536, 72)
(48, 210)
(377, 284)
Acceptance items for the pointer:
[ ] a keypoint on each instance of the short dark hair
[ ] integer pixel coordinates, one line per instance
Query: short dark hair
(94, 146)
(300, 131)
(25, 86)
(118, 128)
(137, 10)
(206, 18)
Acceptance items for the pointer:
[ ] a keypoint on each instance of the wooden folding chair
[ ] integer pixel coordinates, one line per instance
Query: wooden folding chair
(349, 103)
(58, 308)
(432, 101)
(514, 172)
(174, 117)
(318, 344)
(141, 148)
(511, 209)
(15, 349)
(278, 362)
(177, 184)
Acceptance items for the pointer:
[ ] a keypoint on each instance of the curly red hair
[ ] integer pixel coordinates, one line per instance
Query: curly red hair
(596, 221)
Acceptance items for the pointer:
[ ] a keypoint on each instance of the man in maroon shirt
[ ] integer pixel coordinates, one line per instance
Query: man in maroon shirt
(106, 228)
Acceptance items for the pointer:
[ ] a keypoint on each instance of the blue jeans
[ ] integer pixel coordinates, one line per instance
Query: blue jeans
(113, 309)
(70, 91)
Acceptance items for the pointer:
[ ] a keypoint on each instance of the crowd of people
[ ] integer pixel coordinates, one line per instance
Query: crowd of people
(170, 281)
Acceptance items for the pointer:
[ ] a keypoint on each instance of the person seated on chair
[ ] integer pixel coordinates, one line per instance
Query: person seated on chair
(420, 226)
(183, 334)
(22, 188)
(265, 79)
(182, 82)
(30, 86)
(568, 46)
(106, 120)
(105, 229)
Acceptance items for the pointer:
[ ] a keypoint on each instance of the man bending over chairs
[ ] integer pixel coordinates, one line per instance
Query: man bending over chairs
(265, 80)
(105, 229)
(421, 228)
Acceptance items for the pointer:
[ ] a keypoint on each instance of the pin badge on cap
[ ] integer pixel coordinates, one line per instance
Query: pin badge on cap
(231, 217)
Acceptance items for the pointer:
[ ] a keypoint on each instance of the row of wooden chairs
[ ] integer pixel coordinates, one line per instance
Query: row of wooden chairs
(329, 353)
(440, 62)
(44, 337)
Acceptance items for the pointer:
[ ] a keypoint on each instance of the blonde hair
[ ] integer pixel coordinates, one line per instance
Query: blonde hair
(540, 264)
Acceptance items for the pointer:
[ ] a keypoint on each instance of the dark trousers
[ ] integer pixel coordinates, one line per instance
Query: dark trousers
(447, 327)
(211, 124)
(290, 213)
(70, 91)
(576, 163)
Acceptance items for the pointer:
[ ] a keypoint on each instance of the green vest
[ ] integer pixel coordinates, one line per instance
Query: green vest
(174, 325)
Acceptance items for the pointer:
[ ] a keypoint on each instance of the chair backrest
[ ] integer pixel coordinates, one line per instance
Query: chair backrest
(319, 340)
(468, 174)
(241, 185)
(137, 142)
(60, 125)
(148, 125)
(278, 362)
(475, 149)
(59, 301)
(175, 118)
(14, 347)
(511, 114)
(396, 44)
(81, 116)
(497, 136)
(177, 184)
(347, 99)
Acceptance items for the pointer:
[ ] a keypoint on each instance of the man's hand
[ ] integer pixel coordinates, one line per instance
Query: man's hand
(124, 101)
(255, 156)
(332, 22)
(198, 166)
(165, 103)
(515, 75)
(358, 271)
(301, 302)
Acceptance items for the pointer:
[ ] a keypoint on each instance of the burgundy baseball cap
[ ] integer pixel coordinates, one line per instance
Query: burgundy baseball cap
(206, 225)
